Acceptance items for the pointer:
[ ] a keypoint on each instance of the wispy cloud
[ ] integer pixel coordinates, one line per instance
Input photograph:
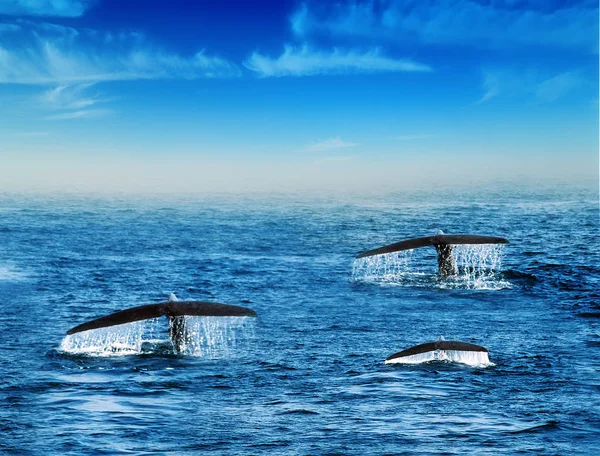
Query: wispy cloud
(81, 114)
(75, 101)
(69, 97)
(491, 87)
(53, 54)
(9, 28)
(530, 85)
(64, 8)
(329, 144)
(497, 24)
(304, 61)
(558, 86)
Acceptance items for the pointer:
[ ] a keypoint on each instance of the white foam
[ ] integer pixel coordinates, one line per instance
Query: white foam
(10, 273)
(386, 266)
(477, 265)
(112, 341)
(208, 337)
(214, 337)
(471, 358)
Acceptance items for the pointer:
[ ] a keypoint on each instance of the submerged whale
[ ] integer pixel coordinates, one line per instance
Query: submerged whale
(175, 311)
(443, 245)
(442, 350)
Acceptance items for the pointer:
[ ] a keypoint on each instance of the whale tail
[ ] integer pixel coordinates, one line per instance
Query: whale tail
(170, 309)
(442, 350)
(443, 244)
(437, 240)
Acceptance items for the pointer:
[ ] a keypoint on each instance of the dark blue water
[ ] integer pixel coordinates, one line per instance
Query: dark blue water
(307, 377)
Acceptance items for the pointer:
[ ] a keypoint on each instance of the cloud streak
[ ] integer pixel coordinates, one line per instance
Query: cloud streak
(69, 97)
(530, 85)
(304, 61)
(558, 86)
(53, 54)
(74, 101)
(81, 114)
(62, 8)
(498, 24)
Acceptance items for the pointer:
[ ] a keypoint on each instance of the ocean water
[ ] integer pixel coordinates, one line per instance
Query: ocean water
(308, 375)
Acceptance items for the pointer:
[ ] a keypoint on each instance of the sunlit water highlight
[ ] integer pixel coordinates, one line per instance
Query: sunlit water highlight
(478, 266)
(208, 337)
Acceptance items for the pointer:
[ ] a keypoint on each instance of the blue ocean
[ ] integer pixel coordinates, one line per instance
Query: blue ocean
(307, 376)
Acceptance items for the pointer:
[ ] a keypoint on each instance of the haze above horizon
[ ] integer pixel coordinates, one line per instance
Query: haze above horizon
(188, 96)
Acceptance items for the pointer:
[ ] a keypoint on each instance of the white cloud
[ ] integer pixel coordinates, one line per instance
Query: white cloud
(491, 87)
(529, 84)
(306, 62)
(497, 24)
(53, 54)
(69, 97)
(9, 28)
(64, 8)
(81, 114)
(558, 86)
(329, 144)
(75, 101)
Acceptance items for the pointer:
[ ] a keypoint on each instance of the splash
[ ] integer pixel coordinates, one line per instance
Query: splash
(478, 268)
(470, 358)
(117, 340)
(215, 337)
(208, 337)
(384, 267)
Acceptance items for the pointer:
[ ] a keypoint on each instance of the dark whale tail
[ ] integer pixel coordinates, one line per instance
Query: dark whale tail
(169, 309)
(442, 243)
(442, 350)
(438, 239)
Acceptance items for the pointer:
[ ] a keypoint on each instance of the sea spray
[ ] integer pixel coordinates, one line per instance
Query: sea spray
(216, 337)
(478, 260)
(386, 266)
(478, 267)
(470, 358)
(116, 340)
(208, 337)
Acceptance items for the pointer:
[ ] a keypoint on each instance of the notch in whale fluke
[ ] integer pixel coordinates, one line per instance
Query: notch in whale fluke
(434, 241)
(442, 350)
(169, 309)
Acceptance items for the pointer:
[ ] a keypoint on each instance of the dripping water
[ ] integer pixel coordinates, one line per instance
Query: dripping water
(207, 337)
(471, 358)
(478, 267)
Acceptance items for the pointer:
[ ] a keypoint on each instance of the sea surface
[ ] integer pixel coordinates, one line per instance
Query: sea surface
(308, 375)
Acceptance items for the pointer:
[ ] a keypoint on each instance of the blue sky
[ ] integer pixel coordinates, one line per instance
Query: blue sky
(105, 95)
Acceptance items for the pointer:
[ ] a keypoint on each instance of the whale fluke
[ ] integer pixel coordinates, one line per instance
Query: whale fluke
(443, 244)
(438, 239)
(169, 309)
(442, 350)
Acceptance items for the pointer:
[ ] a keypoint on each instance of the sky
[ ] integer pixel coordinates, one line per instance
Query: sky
(223, 96)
